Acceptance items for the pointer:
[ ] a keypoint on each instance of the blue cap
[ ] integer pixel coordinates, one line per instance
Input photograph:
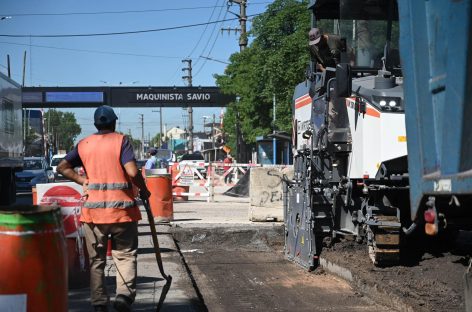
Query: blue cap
(104, 115)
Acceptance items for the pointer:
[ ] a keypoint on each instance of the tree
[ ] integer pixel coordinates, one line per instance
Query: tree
(62, 129)
(156, 141)
(273, 64)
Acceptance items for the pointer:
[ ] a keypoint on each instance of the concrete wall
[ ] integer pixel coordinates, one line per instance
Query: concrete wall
(266, 193)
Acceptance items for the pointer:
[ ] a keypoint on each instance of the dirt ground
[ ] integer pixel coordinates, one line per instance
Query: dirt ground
(427, 280)
(244, 270)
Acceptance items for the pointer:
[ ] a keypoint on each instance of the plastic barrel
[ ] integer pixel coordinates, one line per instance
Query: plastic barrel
(33, 259)
(160, 186)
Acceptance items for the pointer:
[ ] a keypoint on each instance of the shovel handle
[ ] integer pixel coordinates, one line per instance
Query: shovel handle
(155, 242)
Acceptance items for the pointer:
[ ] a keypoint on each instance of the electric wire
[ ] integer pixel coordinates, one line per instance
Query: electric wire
(119, 12)
(211, 35)
(92, 51)
(198, 42)
(120, 32)
(209, 52)
(204, 30)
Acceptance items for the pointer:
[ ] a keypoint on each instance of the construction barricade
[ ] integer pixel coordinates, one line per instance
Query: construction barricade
(68, 195)
(205, 175)
(185, 175)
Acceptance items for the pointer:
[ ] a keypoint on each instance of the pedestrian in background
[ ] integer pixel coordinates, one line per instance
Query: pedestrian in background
(152, 162)
(110, 207)
(227, 160)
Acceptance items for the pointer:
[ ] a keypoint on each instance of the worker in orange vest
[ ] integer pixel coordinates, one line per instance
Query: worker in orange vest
(110, 207)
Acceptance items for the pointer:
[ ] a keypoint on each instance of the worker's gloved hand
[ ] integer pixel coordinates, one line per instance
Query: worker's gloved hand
(144, 193)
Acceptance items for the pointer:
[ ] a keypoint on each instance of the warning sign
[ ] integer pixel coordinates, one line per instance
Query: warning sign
(186, 176)
(66, 195)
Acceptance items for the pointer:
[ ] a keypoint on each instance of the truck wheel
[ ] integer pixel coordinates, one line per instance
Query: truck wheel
(7, 186)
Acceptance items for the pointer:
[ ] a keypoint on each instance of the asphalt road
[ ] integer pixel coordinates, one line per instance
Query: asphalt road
(238, 269)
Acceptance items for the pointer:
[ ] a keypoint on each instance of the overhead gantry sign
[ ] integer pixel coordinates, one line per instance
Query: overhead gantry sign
(66, 97)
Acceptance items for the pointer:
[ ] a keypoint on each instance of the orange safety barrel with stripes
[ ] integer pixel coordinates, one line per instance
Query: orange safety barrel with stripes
(110, 191)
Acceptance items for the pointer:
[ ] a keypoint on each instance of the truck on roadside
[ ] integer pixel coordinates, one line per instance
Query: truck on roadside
(11, 138)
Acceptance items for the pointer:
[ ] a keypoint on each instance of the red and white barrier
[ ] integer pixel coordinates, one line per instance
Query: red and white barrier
(188, 175)
(67, 195)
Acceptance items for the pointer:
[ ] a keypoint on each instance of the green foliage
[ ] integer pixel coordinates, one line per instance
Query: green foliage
(62, 128)
(273, 64)
(135, 143)
(155, 140)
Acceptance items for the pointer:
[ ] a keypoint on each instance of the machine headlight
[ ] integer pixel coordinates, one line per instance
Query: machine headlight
(389, 104)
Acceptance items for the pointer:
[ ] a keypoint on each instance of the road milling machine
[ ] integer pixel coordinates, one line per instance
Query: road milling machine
(349, 138)
(352, 125)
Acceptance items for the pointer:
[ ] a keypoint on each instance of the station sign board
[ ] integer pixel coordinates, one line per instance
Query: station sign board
(55, 97)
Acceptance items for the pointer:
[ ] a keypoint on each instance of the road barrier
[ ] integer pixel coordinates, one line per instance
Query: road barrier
(206, 175)
(68, 195)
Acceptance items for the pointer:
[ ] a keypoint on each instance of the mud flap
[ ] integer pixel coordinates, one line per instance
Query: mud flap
(468, 288)
(300, 243)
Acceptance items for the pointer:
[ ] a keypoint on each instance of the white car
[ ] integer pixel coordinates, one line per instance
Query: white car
(195, 160)
(55, 160)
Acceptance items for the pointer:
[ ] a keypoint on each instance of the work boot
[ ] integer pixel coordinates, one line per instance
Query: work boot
(122, 303)
(100, 308)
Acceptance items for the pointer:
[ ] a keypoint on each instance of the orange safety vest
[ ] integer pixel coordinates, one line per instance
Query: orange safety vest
(110, 191)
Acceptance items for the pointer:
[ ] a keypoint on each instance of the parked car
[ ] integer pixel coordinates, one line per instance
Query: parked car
(35, 170)
(195, 159)
(55, 160)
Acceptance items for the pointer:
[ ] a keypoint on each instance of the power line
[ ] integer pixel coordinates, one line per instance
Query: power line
(205, 60)
(121, 32)
(204, 30)
(92, 51)
(199, 39)
(118, 12)
(211, 35)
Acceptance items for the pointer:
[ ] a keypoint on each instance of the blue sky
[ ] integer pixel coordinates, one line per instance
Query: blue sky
(153, 58)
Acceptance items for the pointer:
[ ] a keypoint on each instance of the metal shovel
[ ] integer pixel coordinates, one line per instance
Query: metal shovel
(157, 251)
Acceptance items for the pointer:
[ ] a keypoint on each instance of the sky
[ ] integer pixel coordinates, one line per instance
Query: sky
(143, 59)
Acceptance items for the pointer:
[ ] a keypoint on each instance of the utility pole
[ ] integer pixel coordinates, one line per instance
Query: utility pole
(188, 77)
(160, 123)
(274, 142)
(242, 22)
(213, 136)
(142, 134)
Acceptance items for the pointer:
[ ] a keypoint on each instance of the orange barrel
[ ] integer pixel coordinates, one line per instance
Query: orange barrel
(35, 195)
(33, 259)
(160, 186)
